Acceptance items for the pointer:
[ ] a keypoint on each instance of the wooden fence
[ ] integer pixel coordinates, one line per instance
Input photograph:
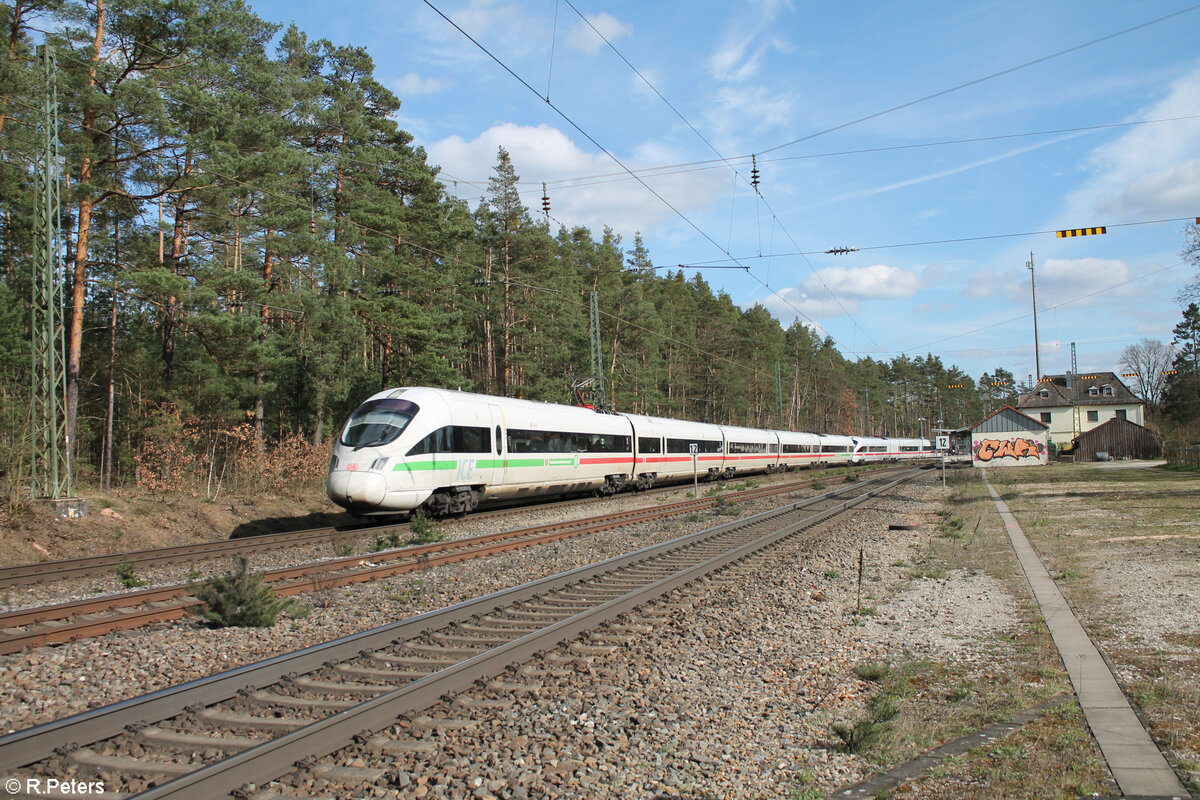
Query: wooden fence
(1185, 456)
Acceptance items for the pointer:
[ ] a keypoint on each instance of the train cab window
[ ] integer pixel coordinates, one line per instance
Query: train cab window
(649, 444)
(453, 439)
(378, 422)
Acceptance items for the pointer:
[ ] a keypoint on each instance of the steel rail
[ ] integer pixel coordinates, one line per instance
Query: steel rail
(34, 744)
(267, 761)
(66, 569)
(330, 573)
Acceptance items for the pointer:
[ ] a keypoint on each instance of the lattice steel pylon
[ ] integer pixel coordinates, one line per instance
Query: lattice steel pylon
(51, 465)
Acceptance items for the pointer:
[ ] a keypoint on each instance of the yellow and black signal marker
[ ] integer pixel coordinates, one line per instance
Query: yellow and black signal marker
(956, 385)
(1081, 232)
(1170, 372)
(1128, 374)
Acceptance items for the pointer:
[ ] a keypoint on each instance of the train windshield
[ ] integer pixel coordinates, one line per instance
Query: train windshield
(378, 422)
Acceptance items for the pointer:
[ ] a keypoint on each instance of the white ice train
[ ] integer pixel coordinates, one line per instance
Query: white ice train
(447, 452)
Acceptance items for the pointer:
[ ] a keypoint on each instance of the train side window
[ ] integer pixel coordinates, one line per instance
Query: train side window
(649, 444)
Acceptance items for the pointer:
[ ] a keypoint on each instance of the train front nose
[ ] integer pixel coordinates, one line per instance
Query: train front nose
(356, 488)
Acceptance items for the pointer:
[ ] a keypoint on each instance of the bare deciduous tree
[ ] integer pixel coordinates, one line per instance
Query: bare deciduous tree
(1147, 360)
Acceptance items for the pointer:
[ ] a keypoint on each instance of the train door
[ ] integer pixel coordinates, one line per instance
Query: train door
(496, 478)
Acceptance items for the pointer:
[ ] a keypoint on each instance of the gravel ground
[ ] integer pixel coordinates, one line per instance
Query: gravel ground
(65, 591)
(51, 682)
(731, 695)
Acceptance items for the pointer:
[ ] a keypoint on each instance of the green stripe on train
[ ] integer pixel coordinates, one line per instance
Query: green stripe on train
(425, 466)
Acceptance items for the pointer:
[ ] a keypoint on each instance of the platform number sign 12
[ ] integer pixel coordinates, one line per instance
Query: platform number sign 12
(943, 442)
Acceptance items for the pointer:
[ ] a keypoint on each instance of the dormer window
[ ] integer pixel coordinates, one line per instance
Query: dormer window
(1044, 394)
(1093, 391)
(1108, 390)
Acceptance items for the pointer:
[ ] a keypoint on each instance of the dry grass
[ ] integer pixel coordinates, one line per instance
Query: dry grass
(1123, 546)
(1051, 757)
(943, 700)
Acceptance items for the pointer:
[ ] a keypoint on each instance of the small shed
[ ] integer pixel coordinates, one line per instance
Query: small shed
(1009, 438)
(1119, 438)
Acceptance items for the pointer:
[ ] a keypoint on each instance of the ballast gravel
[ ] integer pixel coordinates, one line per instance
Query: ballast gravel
(730, 691)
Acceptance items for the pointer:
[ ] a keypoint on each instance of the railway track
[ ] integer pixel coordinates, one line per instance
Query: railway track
(106, 564)
(96, 616)
(242, 728)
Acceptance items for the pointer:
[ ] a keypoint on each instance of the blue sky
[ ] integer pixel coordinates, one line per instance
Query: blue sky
(1045, 92)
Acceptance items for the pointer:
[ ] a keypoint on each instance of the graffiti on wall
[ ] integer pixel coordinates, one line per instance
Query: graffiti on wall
(992, 449)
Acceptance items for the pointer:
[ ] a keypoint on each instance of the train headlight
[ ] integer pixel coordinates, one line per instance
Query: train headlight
(379, 463)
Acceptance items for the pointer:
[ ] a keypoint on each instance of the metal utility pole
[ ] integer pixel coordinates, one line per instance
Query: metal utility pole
(597, 356)
(1073, 385)
(51, 462)
(1037, 358)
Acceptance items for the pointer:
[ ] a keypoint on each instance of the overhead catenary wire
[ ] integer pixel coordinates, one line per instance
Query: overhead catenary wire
(717, 264)
(623, 166)
(983, 79)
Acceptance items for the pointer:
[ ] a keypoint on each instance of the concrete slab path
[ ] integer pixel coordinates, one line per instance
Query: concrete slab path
(1136, 762)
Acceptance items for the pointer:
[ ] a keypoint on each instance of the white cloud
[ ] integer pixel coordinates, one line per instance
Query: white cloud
(864, 283)
(584, 37)
(507, 27)
(413, 84)
(748, 38)
(544, 153)
(733, 106)
(1150, 171)
(1076, 283)
(791, 304)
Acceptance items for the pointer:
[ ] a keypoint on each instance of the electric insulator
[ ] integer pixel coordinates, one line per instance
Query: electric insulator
(754, 172)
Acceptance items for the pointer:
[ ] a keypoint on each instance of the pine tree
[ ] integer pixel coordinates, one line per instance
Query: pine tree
(1181, 400)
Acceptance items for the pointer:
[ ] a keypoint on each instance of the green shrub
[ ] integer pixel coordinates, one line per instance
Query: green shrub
(239, 599)
(127, 576)
(389, 542)
(423, 531)
(875, 671)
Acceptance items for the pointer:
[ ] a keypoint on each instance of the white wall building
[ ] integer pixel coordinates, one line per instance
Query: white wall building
(1100, 397)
